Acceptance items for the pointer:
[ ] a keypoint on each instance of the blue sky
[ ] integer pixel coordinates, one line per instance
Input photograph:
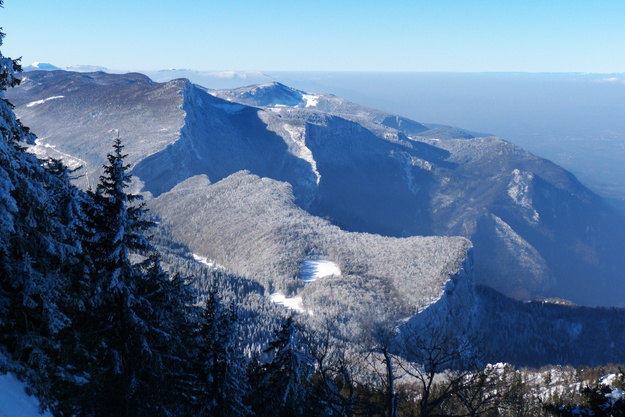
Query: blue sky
(320, 35)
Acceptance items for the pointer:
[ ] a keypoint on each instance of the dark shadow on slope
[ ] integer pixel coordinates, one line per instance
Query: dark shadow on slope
(368, 184)
(404, 125)
(218, 143)
(590, 236)
(545, 333)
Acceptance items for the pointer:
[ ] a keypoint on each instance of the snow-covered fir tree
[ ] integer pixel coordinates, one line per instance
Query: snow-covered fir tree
(133, 332)
(283, 385)
(38, 247)
(222, 382)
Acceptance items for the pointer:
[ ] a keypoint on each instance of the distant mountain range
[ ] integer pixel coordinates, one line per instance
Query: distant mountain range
(573, 119)
(214, 79)
(536, 230)
(256, 184)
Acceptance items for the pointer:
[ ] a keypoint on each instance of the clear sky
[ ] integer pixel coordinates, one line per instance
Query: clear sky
(320, 35)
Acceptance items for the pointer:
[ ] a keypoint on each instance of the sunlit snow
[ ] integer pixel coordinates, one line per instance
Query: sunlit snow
(313, 269)
(34, 103)
(207, 262)
(310, 100)
(44, 150)
(520, 192)
(294, 303)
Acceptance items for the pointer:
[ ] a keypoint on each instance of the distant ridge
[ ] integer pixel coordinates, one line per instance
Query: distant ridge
(44, 66)
(537, 231)
(40, 66)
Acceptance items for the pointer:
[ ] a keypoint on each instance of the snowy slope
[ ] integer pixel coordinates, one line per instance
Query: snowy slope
(251, 226)
(364, 169)
(14, 401)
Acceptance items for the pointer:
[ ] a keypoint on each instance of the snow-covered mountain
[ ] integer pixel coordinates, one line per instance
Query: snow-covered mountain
(212, 79)
(40, 66)
(251, 226)
(536, 230)
(44, 66)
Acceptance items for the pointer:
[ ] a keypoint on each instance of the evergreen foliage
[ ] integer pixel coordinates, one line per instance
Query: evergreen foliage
(38, 247)
(222, 381)
(284, 383)
(100, 324)
(136, 313)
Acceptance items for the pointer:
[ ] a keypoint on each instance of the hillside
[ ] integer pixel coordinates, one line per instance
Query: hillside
(249, 225)
(536, 230)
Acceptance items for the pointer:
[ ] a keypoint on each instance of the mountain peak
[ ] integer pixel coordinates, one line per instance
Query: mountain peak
(267, 94)
(41, 66)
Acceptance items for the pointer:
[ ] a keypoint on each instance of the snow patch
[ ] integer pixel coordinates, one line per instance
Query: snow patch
(614, 396)
(298, 135)
(313, 269)
(14, 401)
(310, 100)
(411, 162)
(294, 303)
(608, 380)
(208, 262)
(34, 103)
(519, 190)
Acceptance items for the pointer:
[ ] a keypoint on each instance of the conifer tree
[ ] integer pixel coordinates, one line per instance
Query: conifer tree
(38, 245)
(282, 385)
(222, 381)
(133, 332)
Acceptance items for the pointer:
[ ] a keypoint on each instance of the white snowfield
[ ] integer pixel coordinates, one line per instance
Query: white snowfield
(34, 103)
(208, 262)
(294, 303)
(312, 270)
(14, 402)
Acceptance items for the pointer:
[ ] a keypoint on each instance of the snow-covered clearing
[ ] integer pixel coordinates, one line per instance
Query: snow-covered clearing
(14, 402)
(34, 103)
(208, 262)
(294, 303)
(313, 269)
